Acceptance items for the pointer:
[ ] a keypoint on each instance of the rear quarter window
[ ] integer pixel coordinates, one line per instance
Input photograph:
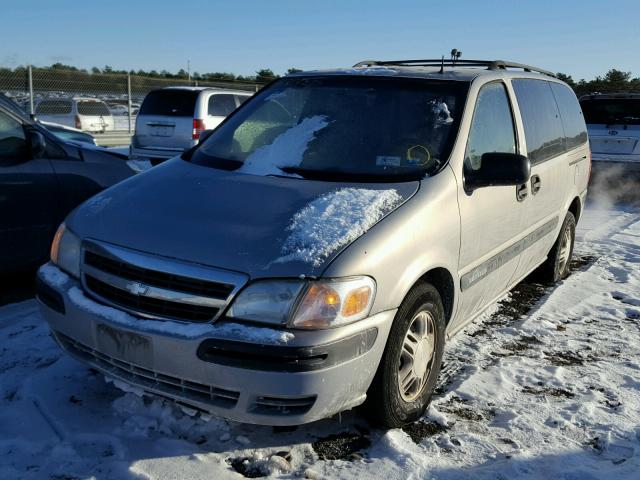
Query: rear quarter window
(170, 103)
(54, 107)
(543, 129)
(94, 109)
(221, 105)
(575, 129)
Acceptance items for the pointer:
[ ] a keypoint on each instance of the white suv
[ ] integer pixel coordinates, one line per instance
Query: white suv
(172, 119)
(87, 114)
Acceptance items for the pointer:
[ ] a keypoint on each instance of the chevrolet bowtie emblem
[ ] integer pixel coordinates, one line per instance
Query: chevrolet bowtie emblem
(136, 288)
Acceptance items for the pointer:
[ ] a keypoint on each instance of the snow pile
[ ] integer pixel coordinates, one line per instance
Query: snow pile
(230, 331)
(287, 150)
(53, 275)
(334, 220)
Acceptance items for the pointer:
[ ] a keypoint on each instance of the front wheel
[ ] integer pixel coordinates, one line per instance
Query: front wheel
(408, 371)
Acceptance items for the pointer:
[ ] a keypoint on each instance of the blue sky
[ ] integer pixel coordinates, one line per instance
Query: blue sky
(582, 38)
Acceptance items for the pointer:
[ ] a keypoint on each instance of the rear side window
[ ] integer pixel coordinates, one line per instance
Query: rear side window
(171, 103)
(575, 130)
(542, 124)
(95, 109)
(492, 126)
(54, 107)
(221, 105)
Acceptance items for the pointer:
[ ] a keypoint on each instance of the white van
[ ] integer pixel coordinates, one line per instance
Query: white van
(171, 119)
(87, 114)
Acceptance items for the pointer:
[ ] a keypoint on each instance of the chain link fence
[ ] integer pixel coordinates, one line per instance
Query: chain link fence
(36, 89)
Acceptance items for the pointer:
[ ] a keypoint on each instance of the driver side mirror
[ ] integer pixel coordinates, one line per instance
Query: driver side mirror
(498, 169)
(37, 144)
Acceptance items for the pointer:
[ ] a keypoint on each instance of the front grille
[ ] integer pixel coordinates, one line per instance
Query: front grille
(283, 405)
(158, 279)
(150, 306)
(156, 287)
(148, 379)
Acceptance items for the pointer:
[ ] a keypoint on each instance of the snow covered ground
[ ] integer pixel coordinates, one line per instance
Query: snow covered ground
(546, 385)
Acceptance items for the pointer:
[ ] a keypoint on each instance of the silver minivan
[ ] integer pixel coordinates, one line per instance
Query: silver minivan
(613, 123)
(171, 119)
(86, 114)
(322, 245)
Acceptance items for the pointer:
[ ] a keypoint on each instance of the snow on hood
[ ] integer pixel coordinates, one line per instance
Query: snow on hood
(334, 220)
(286, 150)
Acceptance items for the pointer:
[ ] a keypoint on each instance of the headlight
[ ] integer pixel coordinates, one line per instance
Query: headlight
(306, 304)
(65, 251)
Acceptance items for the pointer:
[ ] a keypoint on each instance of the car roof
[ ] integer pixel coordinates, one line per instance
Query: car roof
(212, 89)
(71, 99)
(459, 70)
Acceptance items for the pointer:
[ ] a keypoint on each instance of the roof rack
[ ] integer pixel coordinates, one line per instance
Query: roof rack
(490, 64)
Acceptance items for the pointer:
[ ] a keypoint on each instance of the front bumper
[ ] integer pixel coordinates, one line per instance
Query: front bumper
(310, 377)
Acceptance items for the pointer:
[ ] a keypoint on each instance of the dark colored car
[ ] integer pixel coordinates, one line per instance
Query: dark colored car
(43, 178)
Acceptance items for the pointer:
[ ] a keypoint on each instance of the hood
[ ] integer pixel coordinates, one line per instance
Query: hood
(263, 226)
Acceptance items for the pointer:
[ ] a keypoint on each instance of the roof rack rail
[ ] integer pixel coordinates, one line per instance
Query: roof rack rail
(437, 62)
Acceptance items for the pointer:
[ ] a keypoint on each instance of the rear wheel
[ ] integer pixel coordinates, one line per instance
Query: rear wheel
(408, 371)
(556, 266)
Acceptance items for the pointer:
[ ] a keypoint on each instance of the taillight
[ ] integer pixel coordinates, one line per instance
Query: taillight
(78, 124)
(198, 128)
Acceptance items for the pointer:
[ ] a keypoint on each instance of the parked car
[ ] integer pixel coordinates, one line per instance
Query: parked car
(171, 119)
(118, 109)
(613, 122)
(42, 178)
(323, 243)
(61, 131)
(86, 114)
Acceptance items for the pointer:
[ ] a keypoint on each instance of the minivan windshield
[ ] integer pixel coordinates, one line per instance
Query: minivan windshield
(340, 127)
(612, 111)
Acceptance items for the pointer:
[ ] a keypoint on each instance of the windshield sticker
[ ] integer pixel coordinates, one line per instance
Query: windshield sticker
(287, 150)
(441, 110)
(387, 161)
(334, 220)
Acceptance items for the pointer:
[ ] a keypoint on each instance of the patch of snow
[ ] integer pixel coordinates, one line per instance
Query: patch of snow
(334, 220)
(441, 110)
(286, 150)
(230, 331)
(53, 275)
(238, 331)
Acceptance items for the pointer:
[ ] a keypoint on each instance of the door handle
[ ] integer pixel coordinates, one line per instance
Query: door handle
(521, 192)
(536, 183)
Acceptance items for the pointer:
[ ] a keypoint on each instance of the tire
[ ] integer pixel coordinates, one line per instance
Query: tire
(557, 265)
(391, 402)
